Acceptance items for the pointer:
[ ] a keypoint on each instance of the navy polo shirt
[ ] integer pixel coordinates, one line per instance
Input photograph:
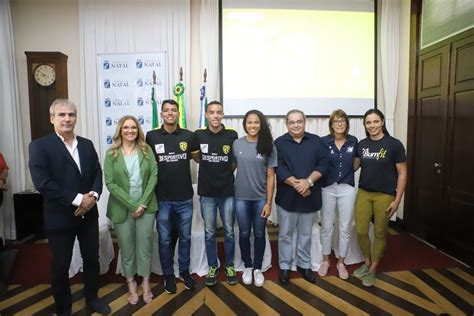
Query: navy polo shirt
(172, 154)
(300, 160)
(341, 162)
(216, 176)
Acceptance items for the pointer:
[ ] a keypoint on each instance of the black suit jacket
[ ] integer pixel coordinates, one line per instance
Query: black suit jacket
(58, 179)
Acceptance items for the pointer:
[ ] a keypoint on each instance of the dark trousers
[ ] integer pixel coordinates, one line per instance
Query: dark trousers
(61, 244)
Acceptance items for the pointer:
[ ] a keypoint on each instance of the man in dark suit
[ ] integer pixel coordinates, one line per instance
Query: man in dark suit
(65, 169)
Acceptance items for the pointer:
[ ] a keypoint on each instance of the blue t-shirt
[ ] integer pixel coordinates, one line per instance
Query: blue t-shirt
(251, 178)
(378, 164)
(341, 162)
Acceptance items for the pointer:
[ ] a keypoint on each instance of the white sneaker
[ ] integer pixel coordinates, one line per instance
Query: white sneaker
(247, 276)
(323, 268)
(341, 269)
(258, 278)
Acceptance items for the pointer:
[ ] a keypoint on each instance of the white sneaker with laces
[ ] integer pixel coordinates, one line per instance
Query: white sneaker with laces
(247, 276)
(258, 278)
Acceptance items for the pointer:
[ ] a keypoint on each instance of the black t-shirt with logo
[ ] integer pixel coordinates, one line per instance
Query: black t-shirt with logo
(216, 177)
(378, 164)
(172, 153)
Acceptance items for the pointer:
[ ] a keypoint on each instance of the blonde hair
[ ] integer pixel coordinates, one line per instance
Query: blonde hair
(117, 139)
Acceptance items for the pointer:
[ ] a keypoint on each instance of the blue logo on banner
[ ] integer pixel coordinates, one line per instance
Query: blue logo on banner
(139, 63)
(140, 82)
(140, 102)
(106, 83)
(108, 121)
(107, 103)
(106, 64)
(141, 119)
(109, 139)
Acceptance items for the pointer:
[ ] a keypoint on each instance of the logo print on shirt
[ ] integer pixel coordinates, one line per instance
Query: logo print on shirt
(160, 148)
(368, 155)
(226, 149)
(350, 149)
(204, 148)
(183, 146)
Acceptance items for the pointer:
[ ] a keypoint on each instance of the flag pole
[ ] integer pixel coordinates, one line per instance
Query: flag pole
(155, 120)
(203, 100)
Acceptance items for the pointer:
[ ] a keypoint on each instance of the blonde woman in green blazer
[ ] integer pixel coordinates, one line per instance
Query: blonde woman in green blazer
(130, 176)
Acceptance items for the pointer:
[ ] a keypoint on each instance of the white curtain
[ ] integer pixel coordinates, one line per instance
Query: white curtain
(145, 26)
(389, 58)
(209, 44)
(318, 126)
(11, 134)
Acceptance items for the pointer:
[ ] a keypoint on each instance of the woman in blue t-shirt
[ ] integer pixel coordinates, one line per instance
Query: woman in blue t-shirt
(338, 192)
(256, 159)
(382, 183)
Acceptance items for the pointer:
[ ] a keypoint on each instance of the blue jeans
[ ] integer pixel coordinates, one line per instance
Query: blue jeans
(249, 215)
(209, 207)
(174, 219)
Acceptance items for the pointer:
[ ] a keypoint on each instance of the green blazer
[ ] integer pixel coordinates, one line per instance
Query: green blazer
(118, 183)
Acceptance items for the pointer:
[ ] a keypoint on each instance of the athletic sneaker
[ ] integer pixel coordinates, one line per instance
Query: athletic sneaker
(231, 275)
(211, 278)
(323, 268)
(369, 279)
(247, 276)
(170, 284)
(258, 278)
(361, 271)
(341, 269)
(188, 280)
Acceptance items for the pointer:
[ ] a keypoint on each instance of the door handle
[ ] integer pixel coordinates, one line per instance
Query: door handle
(437, 165)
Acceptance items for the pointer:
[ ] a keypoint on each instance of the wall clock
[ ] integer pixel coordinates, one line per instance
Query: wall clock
(47, 81)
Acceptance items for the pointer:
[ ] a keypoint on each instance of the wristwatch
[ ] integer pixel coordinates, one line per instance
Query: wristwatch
(310, 182)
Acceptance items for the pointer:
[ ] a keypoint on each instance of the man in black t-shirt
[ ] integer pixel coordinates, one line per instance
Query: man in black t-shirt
(172, 146)
(216, 189)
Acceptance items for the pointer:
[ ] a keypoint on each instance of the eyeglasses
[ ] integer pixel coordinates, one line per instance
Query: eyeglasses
(299, 122)
(339, 122)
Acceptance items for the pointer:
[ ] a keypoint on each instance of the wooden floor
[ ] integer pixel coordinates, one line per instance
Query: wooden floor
(426, 292)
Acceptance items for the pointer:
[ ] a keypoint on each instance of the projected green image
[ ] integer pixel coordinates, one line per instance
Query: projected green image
(298, 53)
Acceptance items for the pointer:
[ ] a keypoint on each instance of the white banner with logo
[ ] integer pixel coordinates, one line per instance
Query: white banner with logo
(125, 87)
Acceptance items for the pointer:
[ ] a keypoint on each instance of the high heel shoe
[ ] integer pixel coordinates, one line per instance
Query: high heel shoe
(132, 292)
(147, 294)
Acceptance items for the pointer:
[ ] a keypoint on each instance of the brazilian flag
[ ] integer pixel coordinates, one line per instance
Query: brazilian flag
(178, 92)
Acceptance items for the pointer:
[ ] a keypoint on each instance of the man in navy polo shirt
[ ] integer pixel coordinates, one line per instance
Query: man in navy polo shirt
(172, 146)
(302, 161)
(216, 189)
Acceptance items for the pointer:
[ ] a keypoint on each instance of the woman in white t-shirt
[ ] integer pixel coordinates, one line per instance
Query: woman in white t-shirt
(256, 159)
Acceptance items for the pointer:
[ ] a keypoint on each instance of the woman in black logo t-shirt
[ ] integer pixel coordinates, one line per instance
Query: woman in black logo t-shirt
(381, 186)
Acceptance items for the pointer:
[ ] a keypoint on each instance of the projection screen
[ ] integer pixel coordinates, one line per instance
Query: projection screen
(312, 55)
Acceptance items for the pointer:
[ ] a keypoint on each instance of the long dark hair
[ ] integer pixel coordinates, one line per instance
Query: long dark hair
(265, 138)
(379, 114)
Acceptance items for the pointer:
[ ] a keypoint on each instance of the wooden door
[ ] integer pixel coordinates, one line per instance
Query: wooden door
(430, 142)
(441, 197)
(458, 216)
